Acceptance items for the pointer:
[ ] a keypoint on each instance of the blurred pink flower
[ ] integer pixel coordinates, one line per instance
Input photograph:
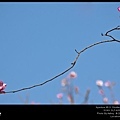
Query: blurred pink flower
(105, 100)
(99, 83)
(2, 87)
(60, 96)
(107, 84)
(64, 82)
(101, 91)
(116, 102)
(73, 74)
(118, 9)
(34, 103)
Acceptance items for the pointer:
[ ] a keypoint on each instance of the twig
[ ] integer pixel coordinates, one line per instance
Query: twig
(86, 96)
(74, 62)
(106, 34)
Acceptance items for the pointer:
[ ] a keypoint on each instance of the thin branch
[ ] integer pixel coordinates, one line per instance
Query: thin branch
(105, 41)
(74, 62)
(14, 91)
(86, 96)
(116, 28)
(76, 51)
(106, 34)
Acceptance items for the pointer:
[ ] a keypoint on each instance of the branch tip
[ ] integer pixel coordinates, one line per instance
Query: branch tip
(76, 51)
(102, 34)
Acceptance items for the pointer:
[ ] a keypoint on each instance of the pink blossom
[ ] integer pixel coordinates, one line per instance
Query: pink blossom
(2, 87)
(99, 83)
(73, 74)
(118, 9)
(1, 83)
(34, 103)
(64, 82)
(105, 100)
(101, 91)
(107, 84)
(60, 96)
(116, 102)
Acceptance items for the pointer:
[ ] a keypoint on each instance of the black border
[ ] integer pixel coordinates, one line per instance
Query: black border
(58, 111)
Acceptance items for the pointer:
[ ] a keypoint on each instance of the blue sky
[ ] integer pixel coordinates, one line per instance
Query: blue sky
(37, 42)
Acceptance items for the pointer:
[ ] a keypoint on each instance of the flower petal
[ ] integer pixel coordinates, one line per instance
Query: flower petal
(1, 83)
(118, 9)
(1, 88)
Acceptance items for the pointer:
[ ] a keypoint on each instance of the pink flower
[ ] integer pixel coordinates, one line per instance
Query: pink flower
(60, 96)
(2, 87)
(99, 83)
(116, 102)
(73, 74)
(101, 91)
(118, 9)
(34, 103)
(105, 100)
(107, 84)
(64, 82)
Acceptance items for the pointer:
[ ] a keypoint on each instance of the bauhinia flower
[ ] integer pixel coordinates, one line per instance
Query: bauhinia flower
(2, 87)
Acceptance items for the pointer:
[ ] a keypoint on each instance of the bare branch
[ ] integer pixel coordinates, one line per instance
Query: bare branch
(116, 28)
(106, 34)
(74, 62)
(14, 91)
(86, 96)
(76, 51)
(105, 41)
